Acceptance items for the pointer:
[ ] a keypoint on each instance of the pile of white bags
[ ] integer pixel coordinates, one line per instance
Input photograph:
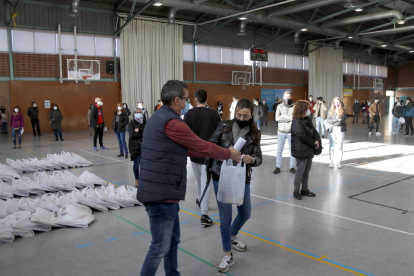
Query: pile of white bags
(55, 161)
(7, 174)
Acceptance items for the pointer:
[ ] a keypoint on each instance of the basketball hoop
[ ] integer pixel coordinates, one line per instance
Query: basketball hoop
(86, 79)
(244, 85)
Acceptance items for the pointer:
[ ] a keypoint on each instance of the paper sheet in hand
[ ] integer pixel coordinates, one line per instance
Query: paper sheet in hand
(239, 144)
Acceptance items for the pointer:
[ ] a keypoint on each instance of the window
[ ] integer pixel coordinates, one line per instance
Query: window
(294, 62)
(305, 63)
(226, 57)
(118, 47)
(276, 60)
(85, 45)
(188, 52)
(4, 47)
(364, 69)
(67, 44)
(45, 43)
(104, 46)
(214, 54)
(202, 53)
(22, 41)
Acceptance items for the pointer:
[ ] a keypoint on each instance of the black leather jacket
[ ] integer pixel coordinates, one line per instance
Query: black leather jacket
(223, 137)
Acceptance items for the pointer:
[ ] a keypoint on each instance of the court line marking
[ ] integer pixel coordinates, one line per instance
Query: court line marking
(106, 157)
(292, 249)
(334, 215)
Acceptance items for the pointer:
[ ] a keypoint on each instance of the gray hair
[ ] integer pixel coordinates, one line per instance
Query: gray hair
(171, 90)
(136, 110)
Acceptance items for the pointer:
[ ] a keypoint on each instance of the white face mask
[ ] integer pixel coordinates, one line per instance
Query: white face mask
(34, 105)
(124, 105)
(16, 110)
(55, 108)
(100, 103)
(140, 106)
(308, 113)
(369, 104)
(119, 107)
(398, 104)
(138, 116)
(310, 99)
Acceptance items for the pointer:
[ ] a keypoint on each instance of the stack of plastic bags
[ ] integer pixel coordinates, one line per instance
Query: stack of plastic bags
(55, 161)
(7, 174)
(20, 217)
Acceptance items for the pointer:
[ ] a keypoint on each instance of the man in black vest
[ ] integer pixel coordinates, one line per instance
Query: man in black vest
(166, 144)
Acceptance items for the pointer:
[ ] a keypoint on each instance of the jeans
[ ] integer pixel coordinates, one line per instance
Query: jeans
(311, 116)
(18, 133)
(120, 136)
(303, 167)
(408, 125)
(201, 178)
(3, 127)
(35, 123)
(165, 231)
(336, 144)
(281, 138)
(56, 131)
(264, 122)
(356, 116)
(227, 229)
(319, 121)
(376, 120)
(396, 121)
(258, 123)
(137, 162)
(98, 131)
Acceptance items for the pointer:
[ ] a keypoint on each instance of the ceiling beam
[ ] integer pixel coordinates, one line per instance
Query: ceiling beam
(133, 17)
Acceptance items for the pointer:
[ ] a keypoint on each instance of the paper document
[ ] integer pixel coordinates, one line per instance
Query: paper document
(239, 144)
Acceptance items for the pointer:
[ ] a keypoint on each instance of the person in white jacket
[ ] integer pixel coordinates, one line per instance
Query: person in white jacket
(233, 107)
(320, 114)
(284, 117)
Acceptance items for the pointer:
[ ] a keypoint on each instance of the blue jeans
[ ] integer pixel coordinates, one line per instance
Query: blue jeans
(120, 135)
(56, 133)
(319, 121)
(165, 230)
(137, 161)
(396, 121)
(258, 123)
(281, 139)
(4, 127)
(227, 229)
(18, 132)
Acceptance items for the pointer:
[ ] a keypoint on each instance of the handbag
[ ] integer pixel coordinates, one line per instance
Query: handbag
(317, 138)
(327, 125)
(232, 183)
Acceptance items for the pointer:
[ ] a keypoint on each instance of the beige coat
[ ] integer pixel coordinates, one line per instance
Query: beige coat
(284, 117)
(372, 110)
(320, 108)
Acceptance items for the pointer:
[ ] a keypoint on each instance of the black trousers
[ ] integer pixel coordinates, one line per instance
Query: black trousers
(98, 132)
(408, 125)
(356, 117)
(35, 123)
(376, 120)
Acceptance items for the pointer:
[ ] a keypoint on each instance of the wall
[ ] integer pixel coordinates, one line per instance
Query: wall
(405, 80)
(73, 100)
(5, 95)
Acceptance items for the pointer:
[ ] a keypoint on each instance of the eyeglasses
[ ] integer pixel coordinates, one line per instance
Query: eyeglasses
(184, 98)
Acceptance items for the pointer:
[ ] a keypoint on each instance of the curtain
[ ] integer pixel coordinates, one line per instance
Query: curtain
(152, 54)
(326, 73)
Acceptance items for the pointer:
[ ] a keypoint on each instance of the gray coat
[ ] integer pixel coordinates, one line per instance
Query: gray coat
(55, 119)
(258, 112)
(357, 107)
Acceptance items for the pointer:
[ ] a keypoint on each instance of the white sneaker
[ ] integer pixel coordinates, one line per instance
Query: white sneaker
(226, 263)
(332, 164)
(238, 245)
(378, 134)
(369, 134)
(338, 165)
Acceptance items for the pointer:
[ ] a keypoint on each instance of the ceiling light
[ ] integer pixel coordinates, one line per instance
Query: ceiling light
(350, 37)
(243, 18)
(359, 9)
(412, 51)
(401, 21)
(384, 45)
(157, 3)
(303, 30)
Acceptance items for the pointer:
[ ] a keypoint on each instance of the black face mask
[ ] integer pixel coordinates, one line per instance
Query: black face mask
(243, 124)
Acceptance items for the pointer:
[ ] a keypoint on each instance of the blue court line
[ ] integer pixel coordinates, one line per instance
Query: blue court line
(123, 182)
(136, 234)
(290, 247)
(185, 222)
(112, 239)
(80, 246)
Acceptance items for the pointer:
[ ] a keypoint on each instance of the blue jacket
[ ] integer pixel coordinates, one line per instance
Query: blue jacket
(409, 113)
(163, 174)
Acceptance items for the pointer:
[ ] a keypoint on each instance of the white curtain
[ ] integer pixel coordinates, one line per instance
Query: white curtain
(325, 73)
(152, 54)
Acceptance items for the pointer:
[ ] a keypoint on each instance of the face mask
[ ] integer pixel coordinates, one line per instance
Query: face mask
(124, 105)
(100, 103)
(243, 124)
(34, 105)
(16, 110)
(308, 113)
(310, 99)
(119, 107)
(398, 104)
(376, 102)
(139, 105)
(369, 104)
(138, 116)
(337, 104)
(55, 108)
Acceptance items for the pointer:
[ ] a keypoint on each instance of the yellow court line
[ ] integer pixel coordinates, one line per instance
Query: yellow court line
(321, 259)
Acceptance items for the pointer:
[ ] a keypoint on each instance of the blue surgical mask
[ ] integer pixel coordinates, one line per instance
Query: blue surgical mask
(138, 116)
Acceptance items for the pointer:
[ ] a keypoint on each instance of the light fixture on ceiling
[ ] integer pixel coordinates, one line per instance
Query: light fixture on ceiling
(350, 37)
(158, 3)
(359, 9)
(384, 45)
(401, 21)
(243, 18)
(303, 30)
(412, 51)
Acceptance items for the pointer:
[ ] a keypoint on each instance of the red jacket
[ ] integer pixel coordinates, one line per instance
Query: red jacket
(16, 120)
(312, 104)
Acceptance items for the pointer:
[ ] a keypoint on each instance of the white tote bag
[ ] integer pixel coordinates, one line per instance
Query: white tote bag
(402, 120)
(232, 183)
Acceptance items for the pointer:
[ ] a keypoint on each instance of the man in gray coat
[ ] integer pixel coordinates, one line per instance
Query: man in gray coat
(356, 109)
(257, 113)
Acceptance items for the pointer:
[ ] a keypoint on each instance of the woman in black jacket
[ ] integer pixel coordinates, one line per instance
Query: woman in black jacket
(336, 127)
(226, 135)
(119, 124)
(304, 142)
(136, 131)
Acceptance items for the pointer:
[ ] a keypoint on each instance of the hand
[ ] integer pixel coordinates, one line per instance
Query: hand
(235, 155)
(137, 130)
(247, 159)
(317, 145)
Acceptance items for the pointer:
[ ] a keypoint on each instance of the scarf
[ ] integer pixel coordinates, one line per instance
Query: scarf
(140, 121)
(237, 132)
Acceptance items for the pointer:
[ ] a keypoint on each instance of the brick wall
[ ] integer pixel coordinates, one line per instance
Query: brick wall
(405, 76)
(4, 65)
(5, 95)
(188, 71)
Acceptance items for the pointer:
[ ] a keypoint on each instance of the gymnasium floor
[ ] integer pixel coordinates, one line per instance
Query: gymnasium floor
(361, 221)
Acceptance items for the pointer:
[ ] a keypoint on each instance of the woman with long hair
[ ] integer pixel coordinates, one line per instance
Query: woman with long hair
(304, 142)
(55, 119)
(226, 135)
(17, 126)
(336, 127)
(136, 131)
(119, 124)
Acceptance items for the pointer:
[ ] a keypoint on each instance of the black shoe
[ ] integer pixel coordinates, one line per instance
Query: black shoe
(6, 132)
(120, 155)
(296, 194)
(206, 220)
(126, 155)
(40, 134)
(307, 193)
(276, 171)
(57, 139)
(292, 171)
(34, 134)
(61, 139)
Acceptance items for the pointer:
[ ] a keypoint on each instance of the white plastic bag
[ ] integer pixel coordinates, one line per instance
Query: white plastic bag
(69, 199)
(8, 189)
(232, 183)
(402, 120)
(27, 204)
(91, 178)
(11, 206)
(75, 179)
(47, 201)
(69, 215)
(82, 199)
(7, 173)
(80, 161)
(60, 181)
(42, 179)
(3, 212)
(43, 217)
(128, 195)
(15, 219)
(6, 236)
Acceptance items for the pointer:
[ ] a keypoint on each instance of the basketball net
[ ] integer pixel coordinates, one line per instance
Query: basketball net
(86, 79)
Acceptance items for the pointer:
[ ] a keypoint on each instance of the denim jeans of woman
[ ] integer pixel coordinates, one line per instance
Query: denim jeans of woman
(228, 229)
(3, 127)
(137, 162)
(56, 131)
(18, 133)
(120, 135)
